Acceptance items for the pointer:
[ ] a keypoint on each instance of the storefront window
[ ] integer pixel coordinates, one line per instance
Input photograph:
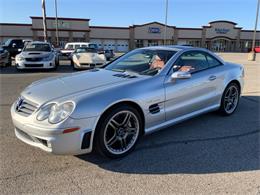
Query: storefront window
(153, 43)
(79, 39)
(139, 43)
(194, 43)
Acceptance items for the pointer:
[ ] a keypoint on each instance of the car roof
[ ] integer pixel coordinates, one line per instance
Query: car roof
(39, 42)
(169, 47)
(77, 43)
(176, 48)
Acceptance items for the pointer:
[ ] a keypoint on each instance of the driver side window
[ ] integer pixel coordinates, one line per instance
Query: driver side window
(192, 62)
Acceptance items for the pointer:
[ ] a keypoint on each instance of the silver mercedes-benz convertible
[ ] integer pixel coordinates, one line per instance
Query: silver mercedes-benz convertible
(108, 109)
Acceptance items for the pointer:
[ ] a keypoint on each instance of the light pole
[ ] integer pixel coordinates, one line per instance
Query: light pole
(57, 32)
(166, 18)
(252, 54)
(44, 21)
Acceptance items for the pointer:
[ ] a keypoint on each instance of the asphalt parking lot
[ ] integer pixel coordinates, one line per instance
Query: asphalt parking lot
(207, 155)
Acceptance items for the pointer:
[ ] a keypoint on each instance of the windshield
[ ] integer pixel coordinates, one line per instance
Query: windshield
(37, 47)
(92, 45)
(147, 62)
(7, 43)
(85, 50)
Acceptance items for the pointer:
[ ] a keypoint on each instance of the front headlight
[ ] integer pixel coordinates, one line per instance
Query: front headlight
(48, 58)
(44, 112)
(56, 112)
(19, 58)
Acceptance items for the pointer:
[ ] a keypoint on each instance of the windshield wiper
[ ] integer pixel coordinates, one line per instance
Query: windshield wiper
(149, 72)
(131, 72)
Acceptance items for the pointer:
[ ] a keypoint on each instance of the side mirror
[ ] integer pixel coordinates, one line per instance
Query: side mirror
(181, 75)
(14, 45)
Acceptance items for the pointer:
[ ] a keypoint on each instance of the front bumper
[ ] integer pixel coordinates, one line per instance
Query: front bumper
(35, 65)
(53, 140)
(88, 65)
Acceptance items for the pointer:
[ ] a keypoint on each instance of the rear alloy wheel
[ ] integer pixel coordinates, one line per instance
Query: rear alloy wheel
(230, 99)
(119, 132)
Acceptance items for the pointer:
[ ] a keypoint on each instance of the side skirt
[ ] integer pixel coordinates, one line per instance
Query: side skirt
(181, 118)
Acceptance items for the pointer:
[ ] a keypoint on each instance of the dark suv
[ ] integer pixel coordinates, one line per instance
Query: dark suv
(13, 46)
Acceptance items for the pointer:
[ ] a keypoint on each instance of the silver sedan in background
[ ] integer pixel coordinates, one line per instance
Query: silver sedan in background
(109, 109)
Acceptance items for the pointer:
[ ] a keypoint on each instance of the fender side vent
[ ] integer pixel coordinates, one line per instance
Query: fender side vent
(86, 140)
(153, 109)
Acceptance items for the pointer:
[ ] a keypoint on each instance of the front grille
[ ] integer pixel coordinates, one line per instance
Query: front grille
(33, 59)
(33, 65)
(25, 107)
(91, 64)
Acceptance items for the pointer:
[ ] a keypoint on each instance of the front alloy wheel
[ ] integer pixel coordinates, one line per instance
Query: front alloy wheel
(119, 133)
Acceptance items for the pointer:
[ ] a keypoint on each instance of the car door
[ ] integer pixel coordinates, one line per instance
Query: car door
(192, 95)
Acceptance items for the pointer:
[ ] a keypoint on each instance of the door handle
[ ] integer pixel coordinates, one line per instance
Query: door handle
(212, 77)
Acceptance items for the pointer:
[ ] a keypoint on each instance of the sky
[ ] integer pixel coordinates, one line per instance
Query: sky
(181, 13)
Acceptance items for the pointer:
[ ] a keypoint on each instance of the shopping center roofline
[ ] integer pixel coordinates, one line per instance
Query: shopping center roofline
(15, 24)
(109, 27)
(60, 18)
(112, 27)
(226, 21)
(154, 22)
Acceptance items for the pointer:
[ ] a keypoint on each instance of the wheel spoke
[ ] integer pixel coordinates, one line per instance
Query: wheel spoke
(114, 124)
(131, 131)
(126, 119)
(228, 93)
(123, 143)
(112, 140)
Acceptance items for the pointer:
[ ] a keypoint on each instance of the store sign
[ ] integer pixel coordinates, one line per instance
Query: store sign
(61, 24)
(154, 30)
(221, 30)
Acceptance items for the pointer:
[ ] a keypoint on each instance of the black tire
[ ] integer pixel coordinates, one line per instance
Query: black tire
(9, 63)
(99, 143)
(57, 62)
(222, 110)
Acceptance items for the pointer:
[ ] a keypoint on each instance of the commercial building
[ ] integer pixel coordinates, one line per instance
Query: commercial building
(220, 36)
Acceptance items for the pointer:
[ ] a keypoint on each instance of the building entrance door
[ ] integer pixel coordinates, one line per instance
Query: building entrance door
(220, 45)
(153, 43)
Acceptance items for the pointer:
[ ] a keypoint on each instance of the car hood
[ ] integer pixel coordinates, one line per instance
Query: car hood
(31, 54)
(90, 57)
(53, 88)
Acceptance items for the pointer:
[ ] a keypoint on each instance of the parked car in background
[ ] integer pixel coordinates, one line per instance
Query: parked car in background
(86, 58)
(109, 53)
(109, 109)
(70, 47)
(37, 55)
(5, 59)
(14, 46)
(257, 49)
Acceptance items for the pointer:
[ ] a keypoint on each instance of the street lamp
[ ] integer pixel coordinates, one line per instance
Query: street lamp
(57, 32)
(252, 54)
(166, 17)
(44, 21)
